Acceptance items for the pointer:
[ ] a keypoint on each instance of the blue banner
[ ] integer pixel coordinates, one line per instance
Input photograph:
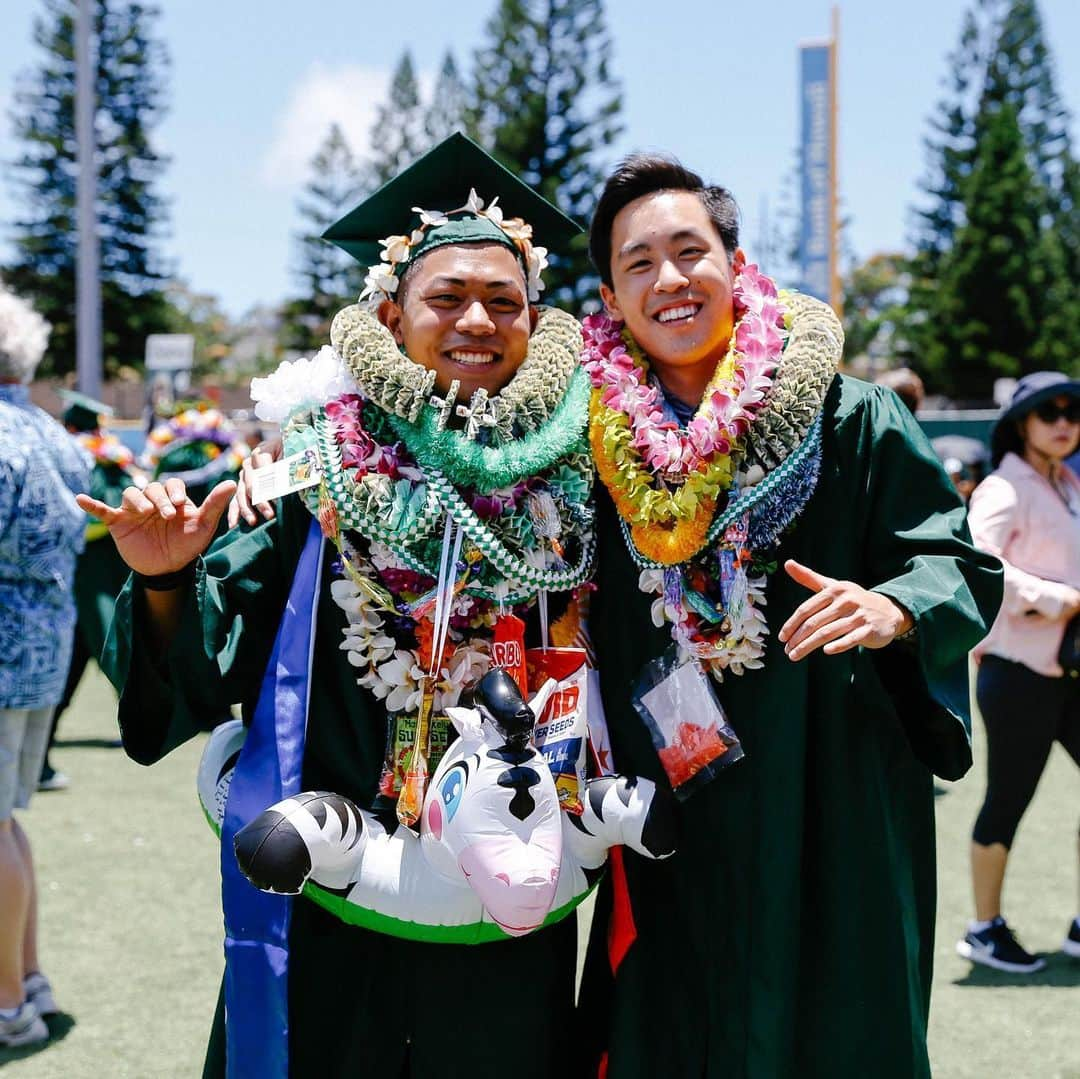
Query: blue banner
(815, 240)
(257, 923)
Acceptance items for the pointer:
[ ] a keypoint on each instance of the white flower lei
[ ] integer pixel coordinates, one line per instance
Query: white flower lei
(741, 650)
(300, 385)
(393, 674)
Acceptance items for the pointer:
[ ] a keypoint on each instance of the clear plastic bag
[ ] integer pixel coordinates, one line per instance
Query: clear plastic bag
(689, 729)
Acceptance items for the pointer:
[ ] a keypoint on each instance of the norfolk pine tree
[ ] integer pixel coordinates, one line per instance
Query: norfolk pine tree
(131, 215)
(547, 106)
(1002, 61)
(397, 135)
(329, 278)
(987, 305)
(446, 113)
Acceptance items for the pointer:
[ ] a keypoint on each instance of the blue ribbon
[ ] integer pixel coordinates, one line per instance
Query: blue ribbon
(256, 923)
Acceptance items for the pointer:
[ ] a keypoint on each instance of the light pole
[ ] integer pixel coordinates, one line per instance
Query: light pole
(88, 276)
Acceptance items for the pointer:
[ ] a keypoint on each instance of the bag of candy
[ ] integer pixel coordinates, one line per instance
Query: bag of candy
(689, 729)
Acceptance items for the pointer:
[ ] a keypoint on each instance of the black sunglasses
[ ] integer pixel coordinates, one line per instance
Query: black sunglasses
(1049, 412)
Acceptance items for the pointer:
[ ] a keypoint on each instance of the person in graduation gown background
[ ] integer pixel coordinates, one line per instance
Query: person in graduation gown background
(793, 935)
(194, 629)
(100, 572)
(196, 443)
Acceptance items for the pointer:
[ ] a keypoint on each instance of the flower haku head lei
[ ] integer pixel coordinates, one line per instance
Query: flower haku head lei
(666, 481)
(383, 278)
(106, 449)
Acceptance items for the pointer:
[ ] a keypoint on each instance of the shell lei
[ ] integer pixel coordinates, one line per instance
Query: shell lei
(393, 471)
(705, 553)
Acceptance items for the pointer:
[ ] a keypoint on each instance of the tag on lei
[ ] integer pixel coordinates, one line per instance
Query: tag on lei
(733, 583)
(688, 727)
(296, 472)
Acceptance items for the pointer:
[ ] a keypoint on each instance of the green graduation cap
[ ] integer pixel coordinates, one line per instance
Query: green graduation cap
(81, 412)
(441, 181)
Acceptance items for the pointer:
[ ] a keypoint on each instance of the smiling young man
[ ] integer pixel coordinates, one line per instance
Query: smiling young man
(450, 389)
(791, 530)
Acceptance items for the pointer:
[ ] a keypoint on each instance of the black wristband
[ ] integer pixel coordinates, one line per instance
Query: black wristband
(166, 582)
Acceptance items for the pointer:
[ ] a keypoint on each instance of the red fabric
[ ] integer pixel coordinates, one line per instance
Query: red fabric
(621, 929)
(601, 1072)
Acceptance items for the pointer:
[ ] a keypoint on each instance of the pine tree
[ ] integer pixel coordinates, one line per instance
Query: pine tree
(129, 92)
(950, 144)
(987, 304)
(329, 278)
(446, 113)
(547, 106)
(1001, 67)
(1020, 71)
(397, 136)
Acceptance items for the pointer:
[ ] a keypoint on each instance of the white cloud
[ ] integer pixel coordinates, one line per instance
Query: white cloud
(346, 95)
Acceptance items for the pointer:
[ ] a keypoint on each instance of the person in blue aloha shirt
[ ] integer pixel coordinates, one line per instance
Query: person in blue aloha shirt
(41, 535)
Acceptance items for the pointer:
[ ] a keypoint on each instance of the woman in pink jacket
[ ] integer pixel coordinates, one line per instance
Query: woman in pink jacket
(1027, 513)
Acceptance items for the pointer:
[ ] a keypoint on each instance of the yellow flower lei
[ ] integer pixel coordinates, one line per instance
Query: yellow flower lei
(668, 525)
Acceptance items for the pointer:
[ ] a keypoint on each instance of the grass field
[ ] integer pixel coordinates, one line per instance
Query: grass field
(131, 926)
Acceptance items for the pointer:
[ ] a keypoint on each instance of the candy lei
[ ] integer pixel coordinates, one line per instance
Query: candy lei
(755, 441)
(390, 482)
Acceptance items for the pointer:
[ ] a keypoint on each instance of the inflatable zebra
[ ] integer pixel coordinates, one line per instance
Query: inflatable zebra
(495, 856)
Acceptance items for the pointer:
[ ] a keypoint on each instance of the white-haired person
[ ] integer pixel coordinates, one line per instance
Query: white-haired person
(41, 534)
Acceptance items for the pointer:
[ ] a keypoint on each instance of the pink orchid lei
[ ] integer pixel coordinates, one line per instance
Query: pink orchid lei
(731, 400)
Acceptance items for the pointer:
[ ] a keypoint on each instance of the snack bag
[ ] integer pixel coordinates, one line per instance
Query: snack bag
(400, 736)
(561, 731)
(508, 649)
(691, 734)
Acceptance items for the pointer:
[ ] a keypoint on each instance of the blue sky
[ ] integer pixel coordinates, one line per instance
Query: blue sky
(254, 83)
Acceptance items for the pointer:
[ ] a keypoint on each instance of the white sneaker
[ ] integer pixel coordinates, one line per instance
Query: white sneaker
(57, 781)
(38, 990)
(25, 1027)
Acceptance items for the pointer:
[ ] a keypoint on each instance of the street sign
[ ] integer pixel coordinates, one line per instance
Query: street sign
(170, 352)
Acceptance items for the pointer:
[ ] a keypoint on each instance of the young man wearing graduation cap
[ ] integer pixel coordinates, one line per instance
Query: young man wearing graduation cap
(101, 572)
(450, 389)
(790, 529)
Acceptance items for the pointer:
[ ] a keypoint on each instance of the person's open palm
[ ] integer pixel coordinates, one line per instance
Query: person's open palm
(838, 616)
(159, 529)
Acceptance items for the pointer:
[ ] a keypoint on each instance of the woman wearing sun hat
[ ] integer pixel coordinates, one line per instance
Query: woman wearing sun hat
(1027, 512)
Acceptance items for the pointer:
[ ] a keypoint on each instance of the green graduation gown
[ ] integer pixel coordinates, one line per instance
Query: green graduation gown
(361, 1004)
(792, 933)
(101, 571)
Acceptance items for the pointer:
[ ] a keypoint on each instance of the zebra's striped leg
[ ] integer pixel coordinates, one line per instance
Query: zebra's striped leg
(626, 810)
(316, 834)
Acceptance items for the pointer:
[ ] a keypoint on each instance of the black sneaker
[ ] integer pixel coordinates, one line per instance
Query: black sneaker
(996, 947)
(1071, 944)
